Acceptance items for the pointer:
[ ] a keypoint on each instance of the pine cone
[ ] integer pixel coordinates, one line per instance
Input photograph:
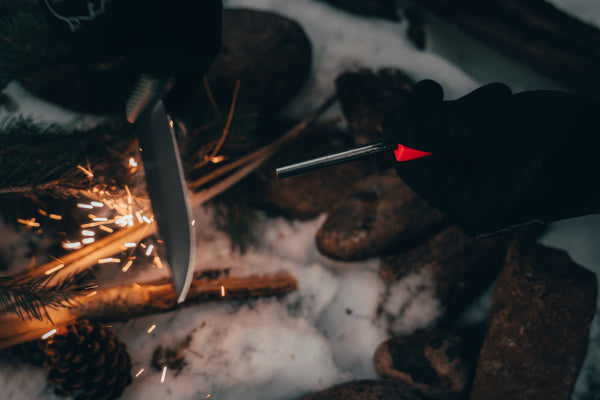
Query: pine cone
(87, 360)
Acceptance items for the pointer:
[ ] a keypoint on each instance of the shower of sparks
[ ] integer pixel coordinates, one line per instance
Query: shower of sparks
(164, 374)
(48, 334)
(222, 291)
(127, 265)
(151, 328)
(86, 171)
(139, 372)
(54, 269)
(149, 249)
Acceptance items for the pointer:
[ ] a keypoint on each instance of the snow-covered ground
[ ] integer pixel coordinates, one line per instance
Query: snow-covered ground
(284, 348)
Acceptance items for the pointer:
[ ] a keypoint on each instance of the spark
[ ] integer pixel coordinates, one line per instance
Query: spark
(88, 240)
(193, 222)
(139, 372)
(48, 334)
(55, 216)
(106, 229)
(149, 250)
(217, 159)
(108, 260)
(171, 123)
(100, 219)
(164, 374)
(86, 171)
(54, 269)
(208, 395)
(139, 217)
(129, 197)
(127, 265)
(97, 204)
(130, 244)
(151, 328)
(158, 262)
(93, 224)
(222, 291)
(146, 219)
(42, 212)
(87, 233)
(29, 222)
(88, 206)
(132, 162)
(71, 245)
(95, 292)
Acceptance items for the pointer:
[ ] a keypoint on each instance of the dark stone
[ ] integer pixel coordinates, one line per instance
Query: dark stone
(387, 9)
(431, 363)
(270, 54)
(451, 267)
(366, 96)
(366, 390)
(308, 195)
(538, 326)
(380, 214)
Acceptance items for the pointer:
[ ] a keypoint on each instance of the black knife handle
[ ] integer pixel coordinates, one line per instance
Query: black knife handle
(161, 37)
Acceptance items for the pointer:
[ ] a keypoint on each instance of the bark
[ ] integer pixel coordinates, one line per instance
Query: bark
(125, 302)
(534, 32)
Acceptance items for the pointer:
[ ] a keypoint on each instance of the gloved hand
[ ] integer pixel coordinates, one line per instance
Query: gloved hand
(501, 159)
(161, 37)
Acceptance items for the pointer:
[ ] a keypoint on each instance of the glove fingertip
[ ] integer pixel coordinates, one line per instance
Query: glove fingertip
(427, 90)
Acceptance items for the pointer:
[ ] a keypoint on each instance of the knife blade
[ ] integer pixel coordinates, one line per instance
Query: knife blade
(167, 188)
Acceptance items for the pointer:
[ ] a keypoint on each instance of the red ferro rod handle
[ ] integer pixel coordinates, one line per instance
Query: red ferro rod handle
(404, 153)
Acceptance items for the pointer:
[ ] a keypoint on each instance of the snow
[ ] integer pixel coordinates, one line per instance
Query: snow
(325, 332)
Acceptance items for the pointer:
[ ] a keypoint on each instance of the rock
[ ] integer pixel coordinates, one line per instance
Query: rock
(270, 54)
(365, 390)
(366, 96)
(308, 195)
(430, 363)
(538, 326)
(381, 214)
(437, 279)
(387, 9)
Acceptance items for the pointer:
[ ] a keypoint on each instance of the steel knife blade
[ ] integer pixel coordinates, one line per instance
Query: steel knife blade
(168, 193)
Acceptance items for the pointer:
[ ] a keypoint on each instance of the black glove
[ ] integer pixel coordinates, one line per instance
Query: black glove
(501, 159)
(161, 37)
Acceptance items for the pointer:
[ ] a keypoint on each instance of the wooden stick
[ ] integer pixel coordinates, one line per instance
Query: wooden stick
(126, 302)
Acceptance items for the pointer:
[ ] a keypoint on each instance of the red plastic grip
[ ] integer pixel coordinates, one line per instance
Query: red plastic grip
(404, 153)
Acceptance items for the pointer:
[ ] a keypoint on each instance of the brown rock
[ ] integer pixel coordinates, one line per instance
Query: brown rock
(308, 195)
(366, 96)
(431, 363)
(270, 54)
(450, 269)
(365, 390)
(538, 326)
(380, 214)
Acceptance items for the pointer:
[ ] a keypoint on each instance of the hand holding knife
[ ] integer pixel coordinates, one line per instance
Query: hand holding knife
(159, 39)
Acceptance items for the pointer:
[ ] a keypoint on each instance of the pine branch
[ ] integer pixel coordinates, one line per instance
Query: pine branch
(32, 297)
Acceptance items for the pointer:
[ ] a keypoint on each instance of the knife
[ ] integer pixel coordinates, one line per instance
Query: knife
(164, 178)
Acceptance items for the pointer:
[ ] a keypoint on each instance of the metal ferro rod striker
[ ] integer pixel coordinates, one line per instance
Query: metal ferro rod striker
(334, 159)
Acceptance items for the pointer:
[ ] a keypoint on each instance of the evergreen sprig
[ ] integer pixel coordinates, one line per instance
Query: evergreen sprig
(31, 298)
